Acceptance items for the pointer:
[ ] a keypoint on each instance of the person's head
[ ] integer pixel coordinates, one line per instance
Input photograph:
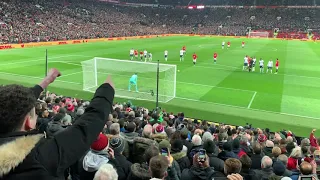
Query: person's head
(115, 129)
(17, 109)
(200, 163)
(283, 158)
(256, 148)
(147, 131)
(245, 161)
(232, 166)
(278, 168)
(165, 144)
(100, 144)
(209, 146)
(206, 137)
(266, 162)
(305, 168)
(45, 114)
(151, 152)
(106, 172)
(176, 145)
(276, 151)
(158, 166)
(296, 152)
(131, 127)
(196, 140)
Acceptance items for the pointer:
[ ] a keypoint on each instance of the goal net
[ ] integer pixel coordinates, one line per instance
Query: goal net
(97, 69)
(259, 34)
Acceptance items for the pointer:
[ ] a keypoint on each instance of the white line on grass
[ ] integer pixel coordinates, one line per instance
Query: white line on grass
(239, 107)
(254, 95)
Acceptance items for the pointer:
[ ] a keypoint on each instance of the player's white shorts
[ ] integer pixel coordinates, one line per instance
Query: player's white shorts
(215, 59)
(242, 45)
(228, 45)
(194, 60)
(277, 67)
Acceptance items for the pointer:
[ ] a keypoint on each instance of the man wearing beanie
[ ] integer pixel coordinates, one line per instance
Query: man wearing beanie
(214, 161)
(174, 168)
(36, 157)
(55, 125)
(178, 155)
(117, 144)
(227, 152)
(160, 133)
(98, 155)
(278, 169)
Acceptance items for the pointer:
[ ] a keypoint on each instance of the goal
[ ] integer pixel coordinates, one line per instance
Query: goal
(97, 69)
(258, 34)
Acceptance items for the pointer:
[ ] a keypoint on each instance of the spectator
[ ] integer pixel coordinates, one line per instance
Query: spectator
(313, 139)
(232, 166)
(178, 155)
(16, 130)
(158, 167)
(200, 170)
(294, 158)
(129, 136)
(147, 131)
(212, 153)
(141, 171)
(306, 170)
(184, 137)
(174, 166)
(160, 134)
(115, 129)
(197, 144)
(106, 172)
(227, 152)
(117, 144)
(276, 151)
(256, 157)
(55, 126)
(244, 145)
(284, 159)
(278, 169)
(266, 169)
(246, 172)
(267, 150)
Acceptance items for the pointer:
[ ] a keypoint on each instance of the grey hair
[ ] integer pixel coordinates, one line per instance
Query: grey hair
(296, 152)
(115, 128)
(283, 158)
(106, 172)
(266, 162)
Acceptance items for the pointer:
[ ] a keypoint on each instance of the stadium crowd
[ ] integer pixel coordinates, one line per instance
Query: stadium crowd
(46, 136)
(25, 21)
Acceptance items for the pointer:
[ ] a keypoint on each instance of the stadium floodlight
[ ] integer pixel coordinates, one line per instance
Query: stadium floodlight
(258, 34)
(96, 70)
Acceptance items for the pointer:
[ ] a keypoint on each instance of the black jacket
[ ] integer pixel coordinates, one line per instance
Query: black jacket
(125, 165)
(256, 161)
(216, 163)
(188, 144)
(263, 174)
(201, 174)
(39, 158)
(139, 172)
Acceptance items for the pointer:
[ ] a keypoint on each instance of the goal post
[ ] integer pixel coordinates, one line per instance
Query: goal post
(258, 34)
(97, 69)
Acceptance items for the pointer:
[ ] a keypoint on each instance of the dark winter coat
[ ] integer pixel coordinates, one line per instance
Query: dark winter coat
(263, 174)
(124, 164)
(224, 155)
(268, 151)
(140, 145)
(128, 140)
(36, 157)
(188, 144)
(256, 161)
(216, 163)
(182, 160)
(201, 174)
(139, 172)
(54, 127)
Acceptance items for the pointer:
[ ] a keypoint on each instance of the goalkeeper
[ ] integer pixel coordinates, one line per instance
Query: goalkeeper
(133, 81)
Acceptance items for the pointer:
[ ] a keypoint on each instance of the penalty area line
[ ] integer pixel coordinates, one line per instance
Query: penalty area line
(254, 95)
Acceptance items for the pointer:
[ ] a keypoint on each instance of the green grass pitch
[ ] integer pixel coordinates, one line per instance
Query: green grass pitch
(219, 92)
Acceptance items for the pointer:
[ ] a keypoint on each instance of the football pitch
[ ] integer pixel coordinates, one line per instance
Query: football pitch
(219, 92)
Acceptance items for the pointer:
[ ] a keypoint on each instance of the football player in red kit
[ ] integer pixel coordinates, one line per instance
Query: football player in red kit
(215, 56)
(194, 57)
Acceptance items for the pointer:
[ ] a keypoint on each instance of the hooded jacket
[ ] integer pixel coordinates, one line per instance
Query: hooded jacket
(200, 174)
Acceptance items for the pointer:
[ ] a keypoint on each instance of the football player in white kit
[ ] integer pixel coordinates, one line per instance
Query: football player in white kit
(166, 55)
(150, 56)
(254, 64)
(145, 54)
(245, 63)
(270, 66)
(181, 55)
(223, 44)
(131, 53)
(261, 63)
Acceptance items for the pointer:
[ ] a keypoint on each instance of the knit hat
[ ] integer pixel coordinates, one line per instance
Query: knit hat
(209, 146)
(164, 144)
(101, 143)
(159, 129)
(262, 138)
(117, 144)
(269, 143)
(236, 143)
(56, 108)
(279, 168)
(177, 145)
(290, 146)
(196, 140)
(70, 107)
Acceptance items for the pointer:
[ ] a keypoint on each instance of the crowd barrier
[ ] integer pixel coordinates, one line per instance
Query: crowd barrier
(80, 41)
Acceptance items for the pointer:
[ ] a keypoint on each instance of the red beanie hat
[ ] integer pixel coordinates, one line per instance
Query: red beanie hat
(101, 143)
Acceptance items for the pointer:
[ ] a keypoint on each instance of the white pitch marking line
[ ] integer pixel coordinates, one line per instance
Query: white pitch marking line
(254, 95)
